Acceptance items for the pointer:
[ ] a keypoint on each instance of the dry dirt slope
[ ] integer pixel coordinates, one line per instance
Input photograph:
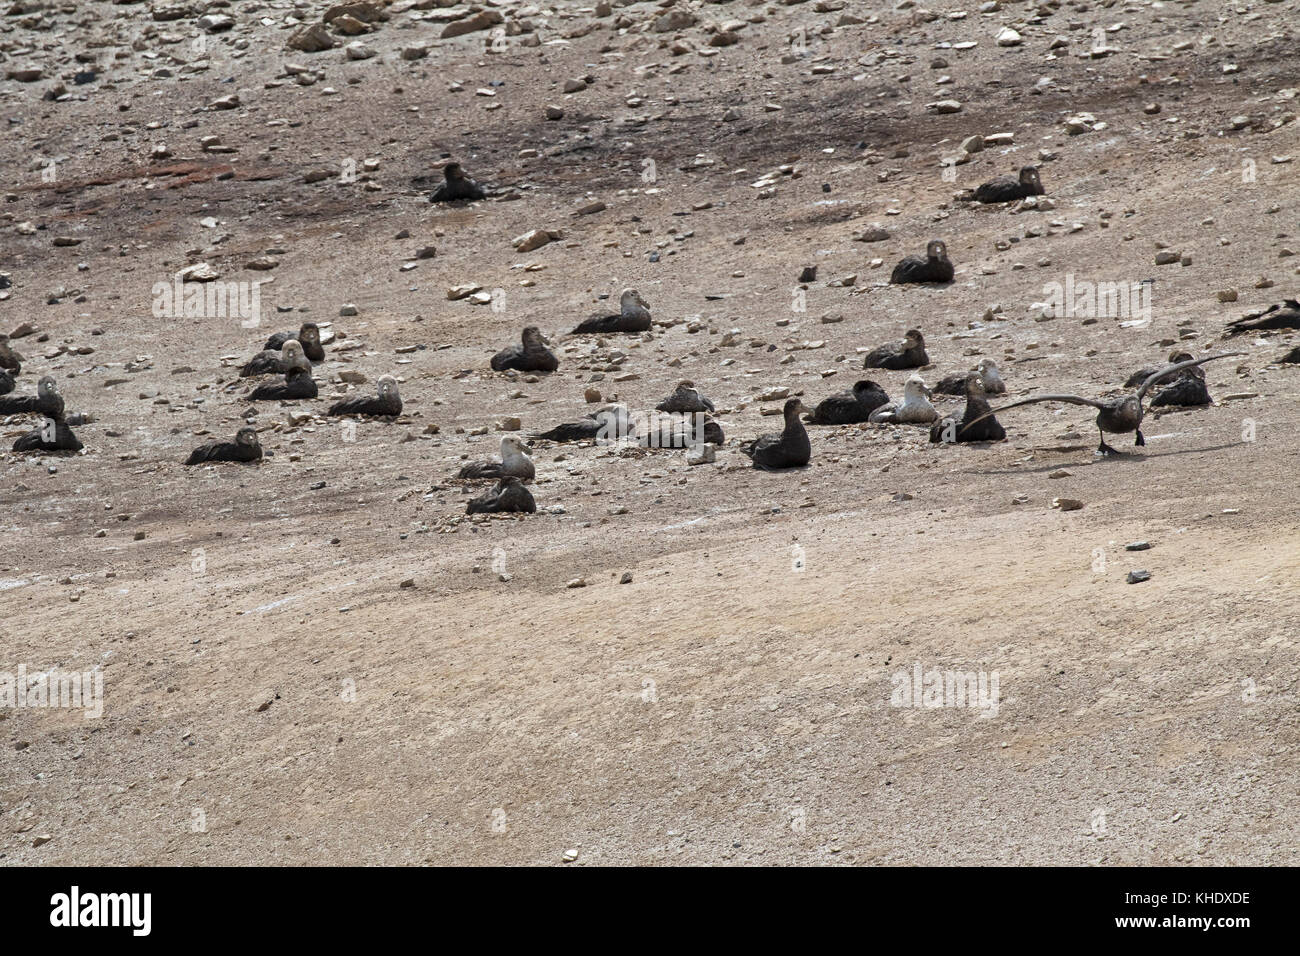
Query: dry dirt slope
(722, 706)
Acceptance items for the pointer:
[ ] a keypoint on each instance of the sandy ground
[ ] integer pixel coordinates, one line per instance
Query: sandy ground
(732, 704)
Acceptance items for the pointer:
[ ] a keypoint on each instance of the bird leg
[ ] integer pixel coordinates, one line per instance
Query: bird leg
(1103, 448)
(1140, 439)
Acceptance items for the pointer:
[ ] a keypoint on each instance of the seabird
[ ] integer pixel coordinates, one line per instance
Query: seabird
(846, 408)
(609, 423)
(245, 447)
(530, 356)
(1118, 415)
(633, 316)
(508, 495)
(910, 354)
(297, 383)
(684, 400)
(788, 448)
(989, 377)
(914, 409)
(1142, 374)
(935, 267)
(456, 186)
(388, 403)
(308, 336)
(46, 402)
(514, 462)
(53, 435)
(977, 411)
(1274, 318)
(9, 359)
(6, 381)
(1006, 189)
(273, 362)
(1187, 388)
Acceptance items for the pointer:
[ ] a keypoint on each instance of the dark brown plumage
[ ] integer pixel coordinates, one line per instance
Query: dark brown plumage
(976, 423)
(52, 435)
(297, 384)
(933, 267)
(1274, 318)
(899, 357)
(47, 401)
(850, 407)
(1006, 189)
(788, 448)
(245, 448)
(531, 355)
(456, 186)
(386, 404)
(508, 495)
(308, 336)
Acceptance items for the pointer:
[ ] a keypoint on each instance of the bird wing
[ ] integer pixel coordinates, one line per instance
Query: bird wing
(1069, 399)
(1168, 370)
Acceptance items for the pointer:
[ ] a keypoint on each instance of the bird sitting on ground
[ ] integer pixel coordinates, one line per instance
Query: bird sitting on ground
(508, 495)
(456, 186)
(847, 408)
(276, 362)
(788, 448)
(514, 461)
(531, 355)
(1006, 189)
(899, 357)
(989, 377)
(245, 448)
(387, 404)
(633, 316)
(934, 267)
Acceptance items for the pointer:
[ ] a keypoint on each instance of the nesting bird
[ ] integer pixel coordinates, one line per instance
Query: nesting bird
(7, 383)
(899, 357)
(1274, 318)
(606, 424)
(514, 462)
(633, 316)
(47, 401)
(788, 448)
(1006, 189)
(508, 495)
(684, 400)
(847, 408)
(277, 362)
(914, 409)
(531, 355)
(934, 267)
(245, 448)
(308, 336)
(297, 383)
(387, 403)
(52, 435)
(989, 378)
(456, 186)
(976, 423)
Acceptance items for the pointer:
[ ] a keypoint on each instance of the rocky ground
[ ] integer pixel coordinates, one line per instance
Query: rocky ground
(321, 659)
